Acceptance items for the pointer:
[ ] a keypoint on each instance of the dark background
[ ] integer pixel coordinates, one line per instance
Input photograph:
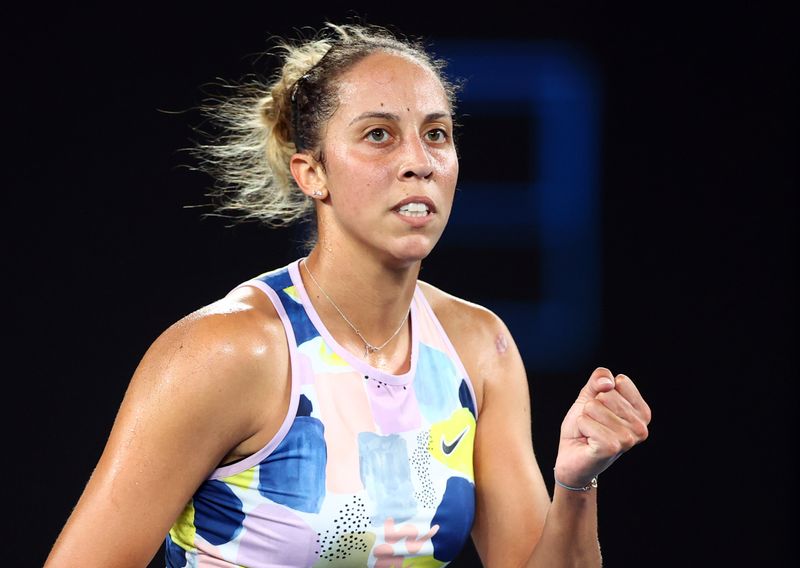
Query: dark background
(698, 181)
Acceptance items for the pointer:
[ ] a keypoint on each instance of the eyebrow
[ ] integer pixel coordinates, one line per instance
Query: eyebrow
(396, 118)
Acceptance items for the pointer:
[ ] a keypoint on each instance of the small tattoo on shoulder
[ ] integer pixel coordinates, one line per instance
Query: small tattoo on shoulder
(500, 343)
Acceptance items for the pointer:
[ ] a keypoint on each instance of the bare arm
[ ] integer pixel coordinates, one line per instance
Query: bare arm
(608, 418)
(516, 524)
(512, 500)
(189, 404)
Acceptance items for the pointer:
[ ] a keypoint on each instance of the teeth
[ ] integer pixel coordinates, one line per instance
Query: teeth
(414, 210)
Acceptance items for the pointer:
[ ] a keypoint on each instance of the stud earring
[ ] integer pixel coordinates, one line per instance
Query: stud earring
(317, 193)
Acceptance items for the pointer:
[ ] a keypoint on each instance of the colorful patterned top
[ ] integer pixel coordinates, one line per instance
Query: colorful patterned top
(367, 469)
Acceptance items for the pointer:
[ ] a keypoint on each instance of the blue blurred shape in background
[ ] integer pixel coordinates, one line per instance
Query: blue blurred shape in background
(531, 197)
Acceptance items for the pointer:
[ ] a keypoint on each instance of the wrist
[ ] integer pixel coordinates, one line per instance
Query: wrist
(576, 487)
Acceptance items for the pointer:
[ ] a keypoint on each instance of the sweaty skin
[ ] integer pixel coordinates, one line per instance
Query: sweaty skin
(234, 354)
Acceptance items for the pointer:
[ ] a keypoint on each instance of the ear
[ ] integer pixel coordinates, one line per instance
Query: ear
(309, 175)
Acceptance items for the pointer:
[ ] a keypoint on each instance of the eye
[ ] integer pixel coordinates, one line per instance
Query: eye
(377, 135)
(436, 135)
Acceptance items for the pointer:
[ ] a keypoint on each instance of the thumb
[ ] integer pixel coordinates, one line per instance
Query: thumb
(601, 380)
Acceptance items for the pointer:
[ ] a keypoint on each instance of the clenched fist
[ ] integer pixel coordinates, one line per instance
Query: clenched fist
(608, 418)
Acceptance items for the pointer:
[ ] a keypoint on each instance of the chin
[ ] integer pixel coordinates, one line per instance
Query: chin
(412, 249)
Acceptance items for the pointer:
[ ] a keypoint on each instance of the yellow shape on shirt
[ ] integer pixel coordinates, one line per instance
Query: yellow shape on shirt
(291, 291)
(330, 357)
(242, 479)
(452, 441)
(183, 531)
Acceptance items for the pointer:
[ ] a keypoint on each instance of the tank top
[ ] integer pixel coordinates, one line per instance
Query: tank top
(367, 469)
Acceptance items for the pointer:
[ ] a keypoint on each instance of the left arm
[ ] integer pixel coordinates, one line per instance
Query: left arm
(516, 525)
(512, 499)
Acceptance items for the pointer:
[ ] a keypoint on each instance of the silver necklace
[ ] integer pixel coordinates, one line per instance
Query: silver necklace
(369, 348)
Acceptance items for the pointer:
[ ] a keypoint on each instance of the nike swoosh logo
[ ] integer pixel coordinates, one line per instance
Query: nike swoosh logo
(447, 449)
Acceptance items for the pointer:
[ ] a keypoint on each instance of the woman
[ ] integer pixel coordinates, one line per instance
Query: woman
(337, 411)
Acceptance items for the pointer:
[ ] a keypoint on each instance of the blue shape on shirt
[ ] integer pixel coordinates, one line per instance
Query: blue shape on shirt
(302, 327)
(304, 407)
(174, 555)
(466, 398)
(454, 515)
(218, 512)
(386, 475)
(435, 384)
(294, 474)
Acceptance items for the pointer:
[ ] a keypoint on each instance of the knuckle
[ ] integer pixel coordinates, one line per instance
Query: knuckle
(605, 396)
(592, 406)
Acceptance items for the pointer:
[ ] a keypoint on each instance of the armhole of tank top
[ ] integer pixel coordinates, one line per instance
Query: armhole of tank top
(450, 347)
(256, 458)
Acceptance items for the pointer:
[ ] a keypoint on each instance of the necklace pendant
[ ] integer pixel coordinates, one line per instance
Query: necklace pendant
(368, 347)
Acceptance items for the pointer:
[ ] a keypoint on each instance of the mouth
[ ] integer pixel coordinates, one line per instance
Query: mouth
(415, 206)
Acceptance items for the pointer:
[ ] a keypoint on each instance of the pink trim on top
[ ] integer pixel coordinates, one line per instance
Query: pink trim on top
(352, 360)
(294, 400)
(449, 344)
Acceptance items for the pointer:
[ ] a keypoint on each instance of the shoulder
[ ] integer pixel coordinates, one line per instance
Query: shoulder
(197, 399)
(228, 327)
(467, 320)
(480, 337)
(223, 353)
(237, 326)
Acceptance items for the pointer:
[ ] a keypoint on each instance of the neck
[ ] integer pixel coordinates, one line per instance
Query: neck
(373, 296)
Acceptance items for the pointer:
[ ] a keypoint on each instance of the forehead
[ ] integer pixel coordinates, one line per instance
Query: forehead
(386, 81)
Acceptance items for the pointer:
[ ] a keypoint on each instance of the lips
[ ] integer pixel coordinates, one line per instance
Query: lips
(415, 206)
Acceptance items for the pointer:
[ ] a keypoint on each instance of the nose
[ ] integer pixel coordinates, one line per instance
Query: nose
(416, 162)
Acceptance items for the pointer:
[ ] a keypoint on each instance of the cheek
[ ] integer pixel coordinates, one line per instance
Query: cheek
(447, 166)
(371, 177)
(355, 176)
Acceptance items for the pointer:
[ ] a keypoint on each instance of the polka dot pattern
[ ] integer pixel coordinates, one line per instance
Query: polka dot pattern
(346, 535)
(421, 464)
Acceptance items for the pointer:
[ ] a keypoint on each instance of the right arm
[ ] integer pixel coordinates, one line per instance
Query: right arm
(213, 385)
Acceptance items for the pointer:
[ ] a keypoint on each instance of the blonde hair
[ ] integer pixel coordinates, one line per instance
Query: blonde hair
(264, 123)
